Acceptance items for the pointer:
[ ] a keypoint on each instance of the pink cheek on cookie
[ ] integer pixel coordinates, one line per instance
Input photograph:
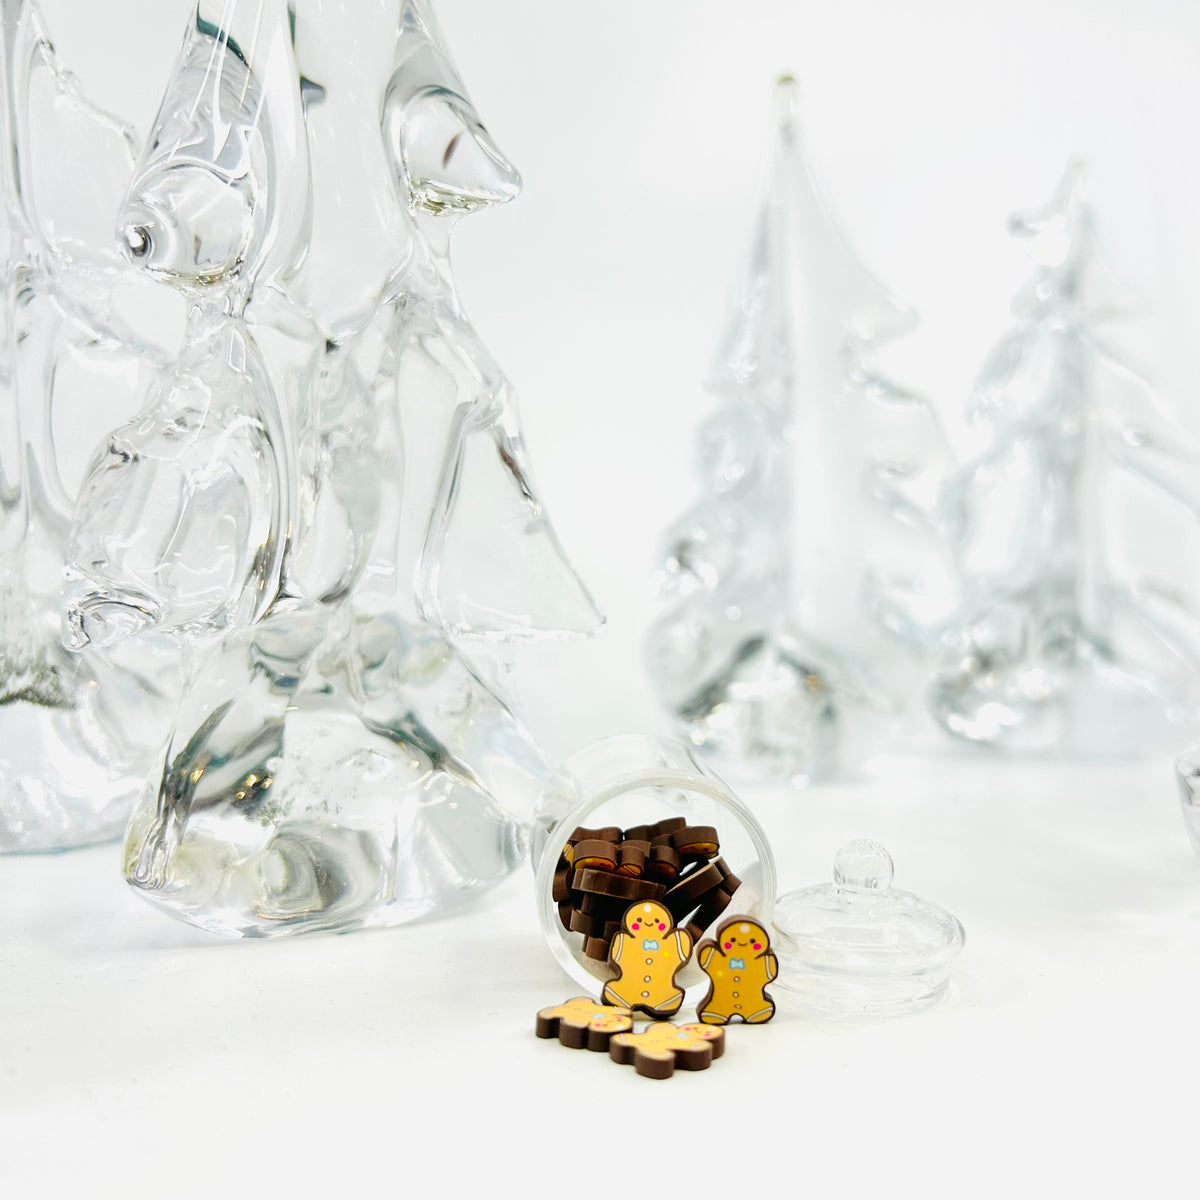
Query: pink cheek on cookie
(661, 925)
(758, 945)
(635, 926)
(728, 945)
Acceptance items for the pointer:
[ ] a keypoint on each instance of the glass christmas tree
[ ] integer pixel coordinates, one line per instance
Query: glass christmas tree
(330, 493)
(815, 531)
(1075, 529)
(78, 732)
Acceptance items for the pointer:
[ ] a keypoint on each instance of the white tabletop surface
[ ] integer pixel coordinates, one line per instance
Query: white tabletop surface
(141, 1057)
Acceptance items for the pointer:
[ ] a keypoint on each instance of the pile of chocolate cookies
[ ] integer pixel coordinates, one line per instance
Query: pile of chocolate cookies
(602, 871)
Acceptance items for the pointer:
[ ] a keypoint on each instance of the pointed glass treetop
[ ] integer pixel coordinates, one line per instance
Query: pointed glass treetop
(815, 466)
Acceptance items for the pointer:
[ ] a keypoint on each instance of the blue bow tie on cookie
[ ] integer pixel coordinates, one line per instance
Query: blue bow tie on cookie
(737, 964)
(649, 944)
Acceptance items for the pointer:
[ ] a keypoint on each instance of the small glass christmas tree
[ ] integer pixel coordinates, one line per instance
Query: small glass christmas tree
(329, 493)
(777, 584)
(1075, 529)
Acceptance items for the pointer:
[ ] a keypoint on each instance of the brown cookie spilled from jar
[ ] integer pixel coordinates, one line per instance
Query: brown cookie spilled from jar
(602, 871)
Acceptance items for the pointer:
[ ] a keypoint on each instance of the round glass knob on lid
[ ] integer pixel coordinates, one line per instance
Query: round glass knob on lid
(858, 946)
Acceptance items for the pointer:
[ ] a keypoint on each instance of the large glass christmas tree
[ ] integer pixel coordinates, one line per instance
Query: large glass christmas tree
(330, 494)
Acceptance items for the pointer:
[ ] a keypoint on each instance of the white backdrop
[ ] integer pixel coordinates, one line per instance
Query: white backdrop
(136, 1053)
(641, 130)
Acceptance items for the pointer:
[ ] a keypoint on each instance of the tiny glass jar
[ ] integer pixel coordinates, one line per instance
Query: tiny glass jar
(634, 780)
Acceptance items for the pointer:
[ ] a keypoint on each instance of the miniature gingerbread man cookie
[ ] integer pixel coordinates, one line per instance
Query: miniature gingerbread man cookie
(661, 1047)
(581, 1022)
(739, 965)
(647, 952)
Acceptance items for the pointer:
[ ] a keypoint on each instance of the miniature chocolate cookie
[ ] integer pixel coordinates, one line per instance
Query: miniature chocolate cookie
(732, 882)
(660, 1048)
(669, 825)
(631, 857)
(663, 864)
(647, 954)
(604, 883)
(597, 905)
(580, 922)
(610, 833)
(739, 965)
(691, 889)
(594, 854)
(582, 1023)
(597, 948)
(696, 841)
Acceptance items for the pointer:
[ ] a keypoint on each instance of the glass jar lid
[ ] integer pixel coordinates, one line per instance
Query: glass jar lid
(858, 946)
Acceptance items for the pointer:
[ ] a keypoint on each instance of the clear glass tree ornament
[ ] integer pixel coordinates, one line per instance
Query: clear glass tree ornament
(815, 532)
(1074, 531)
(78, 731)
(329, 497)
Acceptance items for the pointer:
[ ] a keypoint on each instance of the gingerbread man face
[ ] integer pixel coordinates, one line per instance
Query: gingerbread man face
(647, 920)
(610, 1024)
(747, 936)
